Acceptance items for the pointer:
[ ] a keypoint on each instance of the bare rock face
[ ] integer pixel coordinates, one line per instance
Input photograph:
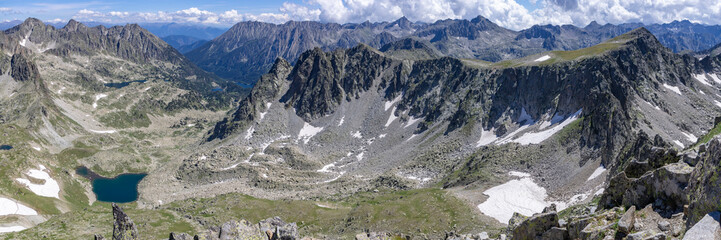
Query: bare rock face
(123, 228)
(709, 228)
(625, 224)
(666, 184)
(705, 188)
(536, 226)
(22, 68)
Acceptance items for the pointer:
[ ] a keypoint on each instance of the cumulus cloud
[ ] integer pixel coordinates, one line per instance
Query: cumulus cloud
(190, 15)
(507, 13)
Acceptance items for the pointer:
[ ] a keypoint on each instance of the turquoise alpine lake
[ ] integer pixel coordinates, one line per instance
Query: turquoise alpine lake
(120, 189)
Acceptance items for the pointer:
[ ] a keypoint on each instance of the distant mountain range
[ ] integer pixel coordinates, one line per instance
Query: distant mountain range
(248, 49)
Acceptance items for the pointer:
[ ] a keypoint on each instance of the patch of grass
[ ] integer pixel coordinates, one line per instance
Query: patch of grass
(716, 130)
(122, 119)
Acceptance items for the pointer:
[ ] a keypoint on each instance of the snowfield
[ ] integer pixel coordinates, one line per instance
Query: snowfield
(596, 173)
(12, 229)
(392, 117)
(411, 121)
(392, 102)
(487, 137)
(702, 78)
(523, 196)
(518, 195)
(50, 188)
(538, 137)
(715, 78)
(690, 137)
(307, 132)
(544, 58)
(672, 88)
(12, 207)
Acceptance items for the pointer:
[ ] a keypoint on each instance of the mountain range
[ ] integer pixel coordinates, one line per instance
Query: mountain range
(248, 49)
(458, 129)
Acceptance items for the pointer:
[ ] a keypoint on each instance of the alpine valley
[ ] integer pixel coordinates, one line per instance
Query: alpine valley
(457, 129)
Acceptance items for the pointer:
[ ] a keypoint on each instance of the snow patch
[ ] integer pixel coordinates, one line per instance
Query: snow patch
(307, 132)
(267, 107)
(411, 121)
(249, 133)
(102, 131)
(97, 98)
(487, 137)
(392, 102)
(717, 103)
(12, 229)
(357, 134)
(519, 195)
(326, 168)
(519, 174)
(12, 207)
(382, 135)
(672, 88)
(525, 118)
(598, 192)
(342, 120)
(677, 142)
(360, 156)
(392, 117)
(690, 137)
(412, 136)
(702, 78)
(335, 178)
(538, 137)
(714, 78)
(544, 58)
(596, 173)
(49, 188)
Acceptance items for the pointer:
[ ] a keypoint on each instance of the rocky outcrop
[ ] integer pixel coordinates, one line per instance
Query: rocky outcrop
(23, 69)
(705, 185)
(708, 228)
(543, 225)
(665, 186)
(123, 226)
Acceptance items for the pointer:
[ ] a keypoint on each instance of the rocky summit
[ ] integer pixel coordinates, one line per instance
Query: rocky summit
(455, 129)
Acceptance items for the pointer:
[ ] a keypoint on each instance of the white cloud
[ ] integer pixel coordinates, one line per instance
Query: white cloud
(507, 13)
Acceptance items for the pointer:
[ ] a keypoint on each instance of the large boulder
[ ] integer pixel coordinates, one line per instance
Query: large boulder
(123, 227)
(240, 230)
(535, 226)
(625, 224)
(275, 228)
(708, 228)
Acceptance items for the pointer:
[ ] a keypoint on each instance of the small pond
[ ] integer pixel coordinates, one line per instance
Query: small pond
(120, 189)
(123, 84)
(5, 147)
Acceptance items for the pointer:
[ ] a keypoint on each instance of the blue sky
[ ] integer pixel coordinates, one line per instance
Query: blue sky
(514, 14)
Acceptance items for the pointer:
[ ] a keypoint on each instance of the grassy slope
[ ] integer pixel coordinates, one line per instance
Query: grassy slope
(427, 211)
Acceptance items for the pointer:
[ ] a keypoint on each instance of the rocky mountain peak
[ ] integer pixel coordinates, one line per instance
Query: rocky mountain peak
(402, 23)
(73, 26)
